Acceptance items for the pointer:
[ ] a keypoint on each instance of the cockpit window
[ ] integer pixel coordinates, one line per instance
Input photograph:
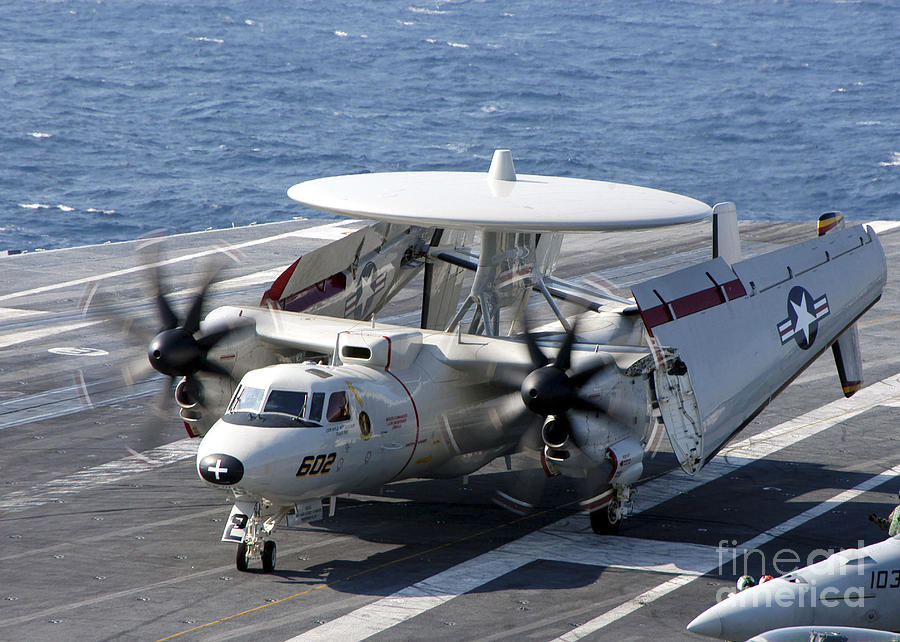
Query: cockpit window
(247, 400)
(288, 402)
(338, 407)
(316, 405)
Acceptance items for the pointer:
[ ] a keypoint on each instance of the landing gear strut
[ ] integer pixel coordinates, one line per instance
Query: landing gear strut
(256, 540)
(607, 520)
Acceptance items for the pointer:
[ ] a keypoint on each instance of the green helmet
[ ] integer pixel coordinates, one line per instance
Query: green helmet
(745, 582)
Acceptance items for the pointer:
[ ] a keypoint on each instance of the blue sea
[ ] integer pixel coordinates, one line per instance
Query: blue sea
(122, 117)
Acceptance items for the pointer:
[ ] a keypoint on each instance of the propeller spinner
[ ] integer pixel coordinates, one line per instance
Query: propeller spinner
(180, 349)
(552, 389)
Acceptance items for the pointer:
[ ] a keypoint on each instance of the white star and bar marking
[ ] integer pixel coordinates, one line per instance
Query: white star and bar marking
(805, 320)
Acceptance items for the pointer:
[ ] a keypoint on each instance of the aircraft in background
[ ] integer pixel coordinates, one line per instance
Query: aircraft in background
(330, 402)
(844, 596)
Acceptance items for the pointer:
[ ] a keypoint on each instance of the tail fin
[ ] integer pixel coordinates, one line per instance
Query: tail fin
(847, 356)
(725, 237)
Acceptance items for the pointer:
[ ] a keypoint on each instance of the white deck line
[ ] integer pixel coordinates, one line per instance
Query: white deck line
(438, 589)
(328, 232)
(108, 473)
(16, 337)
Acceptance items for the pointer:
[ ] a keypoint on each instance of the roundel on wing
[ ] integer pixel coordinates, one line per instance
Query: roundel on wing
(804, 313)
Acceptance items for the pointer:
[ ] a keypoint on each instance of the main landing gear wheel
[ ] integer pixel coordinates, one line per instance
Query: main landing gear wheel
(606, 520)
(241, 559)
(268, 556)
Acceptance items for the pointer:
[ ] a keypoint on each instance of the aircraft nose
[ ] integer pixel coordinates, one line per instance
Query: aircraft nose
(221, 469)
(707, 624)
(775, 604)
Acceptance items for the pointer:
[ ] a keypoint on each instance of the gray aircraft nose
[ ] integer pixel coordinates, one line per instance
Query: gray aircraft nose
(221, 469)
(707, 623)
(775, 604)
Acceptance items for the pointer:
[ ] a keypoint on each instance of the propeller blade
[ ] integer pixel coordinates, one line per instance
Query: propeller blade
(234, 330)
(168, 318)
(209, 341)
(583, 376)
(564, 356)
(588, 405)
(151, 259)
(212, 367)
(538, 358)
(192, 320)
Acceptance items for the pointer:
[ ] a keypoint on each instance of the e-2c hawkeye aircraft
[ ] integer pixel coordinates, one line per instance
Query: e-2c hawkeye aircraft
(331, 402)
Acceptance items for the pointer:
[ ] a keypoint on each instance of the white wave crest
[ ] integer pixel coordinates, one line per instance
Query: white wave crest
(341, 34)
(94, 210)
(426, 11)
(65, 208)
(35, 206)
(218, 41)
(894, 162)
(39, 135)
(458, 45)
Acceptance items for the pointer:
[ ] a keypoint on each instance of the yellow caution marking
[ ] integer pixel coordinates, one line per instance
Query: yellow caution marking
(353, 390)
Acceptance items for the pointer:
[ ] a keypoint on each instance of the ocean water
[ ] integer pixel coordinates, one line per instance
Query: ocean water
(121, 117)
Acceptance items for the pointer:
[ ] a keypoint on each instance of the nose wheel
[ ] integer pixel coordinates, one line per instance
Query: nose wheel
(268, 556)
(242, 559)
(245, 551)
(255, 541)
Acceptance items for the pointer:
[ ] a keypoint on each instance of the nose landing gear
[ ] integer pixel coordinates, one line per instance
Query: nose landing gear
(253, 535)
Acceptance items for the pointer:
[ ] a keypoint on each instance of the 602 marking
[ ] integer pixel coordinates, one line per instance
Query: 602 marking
(316, 465)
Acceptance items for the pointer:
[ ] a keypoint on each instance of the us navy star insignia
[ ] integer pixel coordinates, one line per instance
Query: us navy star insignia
(804, 314)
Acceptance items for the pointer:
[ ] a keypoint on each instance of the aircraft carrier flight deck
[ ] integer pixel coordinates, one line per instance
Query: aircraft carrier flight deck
(108, 532)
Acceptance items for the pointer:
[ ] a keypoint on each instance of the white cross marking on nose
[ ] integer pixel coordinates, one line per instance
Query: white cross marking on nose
(217, 469)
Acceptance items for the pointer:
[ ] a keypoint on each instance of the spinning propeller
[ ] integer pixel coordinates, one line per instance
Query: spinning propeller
(552, 388)
(178, 350)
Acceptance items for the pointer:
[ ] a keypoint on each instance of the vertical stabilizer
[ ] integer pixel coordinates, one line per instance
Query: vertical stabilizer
(725, 238)
(848, 360)
(847, 356)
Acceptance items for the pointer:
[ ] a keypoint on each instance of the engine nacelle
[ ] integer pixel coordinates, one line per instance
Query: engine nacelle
(626, 458)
